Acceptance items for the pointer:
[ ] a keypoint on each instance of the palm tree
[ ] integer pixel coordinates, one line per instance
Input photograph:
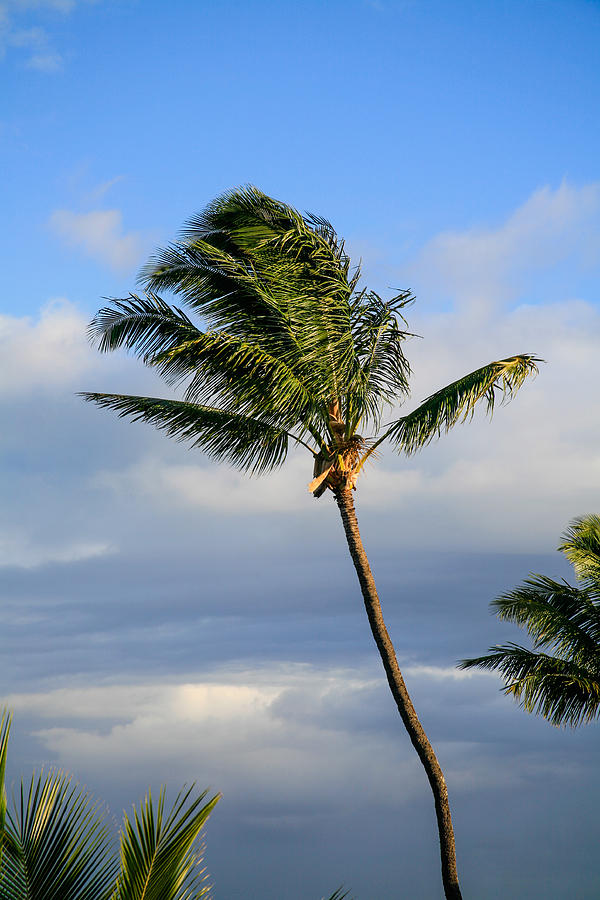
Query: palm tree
(563, 686)
(286, 349)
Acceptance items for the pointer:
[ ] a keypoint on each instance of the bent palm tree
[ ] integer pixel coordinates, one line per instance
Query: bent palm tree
(290, 351)
(563, 686)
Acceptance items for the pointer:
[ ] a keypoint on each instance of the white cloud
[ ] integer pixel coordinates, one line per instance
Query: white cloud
(42, 56)
(484, 266)
(45, 353)
(515, 481)
(100, 235)
(267, 731)
(218, 488)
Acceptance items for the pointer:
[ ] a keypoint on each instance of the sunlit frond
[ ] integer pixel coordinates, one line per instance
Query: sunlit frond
(57, 844)
(161, 858)
(457, 402)
(145, 324)
(217, 368)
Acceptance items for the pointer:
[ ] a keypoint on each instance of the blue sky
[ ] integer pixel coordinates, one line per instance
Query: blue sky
(169, 620)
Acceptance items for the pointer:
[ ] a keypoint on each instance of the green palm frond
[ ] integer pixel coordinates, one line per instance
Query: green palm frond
(5, 720)
(581, 546)
(382, 370)
(563, 685)
(160, 856)
(555, 688)
(233, 374)
(248, 444)
(145, 324)
(556, 615)
(259, 270)
(457, 402)
(220, 369)
(57, 844)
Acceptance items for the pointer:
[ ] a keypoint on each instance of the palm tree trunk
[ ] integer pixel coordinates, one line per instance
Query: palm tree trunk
(420, 742)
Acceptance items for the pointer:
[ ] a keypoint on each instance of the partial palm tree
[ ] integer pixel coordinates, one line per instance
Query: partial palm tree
(57, 844)
(562, 685)
(279, 346)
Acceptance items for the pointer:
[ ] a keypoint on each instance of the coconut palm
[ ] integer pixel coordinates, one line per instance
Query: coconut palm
(563, 685)
(280, 347)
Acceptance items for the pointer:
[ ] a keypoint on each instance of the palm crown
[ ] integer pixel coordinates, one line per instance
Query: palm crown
(563, 685)
(291, 349)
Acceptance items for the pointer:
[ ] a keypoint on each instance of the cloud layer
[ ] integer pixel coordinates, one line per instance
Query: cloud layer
(300, 748)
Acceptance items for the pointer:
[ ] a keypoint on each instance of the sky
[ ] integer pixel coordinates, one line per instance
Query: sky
(167, 620)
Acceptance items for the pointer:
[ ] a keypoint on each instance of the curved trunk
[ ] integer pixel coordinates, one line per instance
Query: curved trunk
(420, 742)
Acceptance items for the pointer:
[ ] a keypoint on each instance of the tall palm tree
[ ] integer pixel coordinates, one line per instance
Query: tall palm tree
(286, 349)
(563, 686)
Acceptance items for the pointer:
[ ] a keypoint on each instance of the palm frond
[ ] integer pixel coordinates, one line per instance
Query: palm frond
(160, 856)
(557, 616)
(220, 369)
(581, 546)
(564, 687)
(261, 271)
(382, 368)
(145, 324)
(58, 845)
(247, 443)
(558, 689)
(457, 402)
(5, 720)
